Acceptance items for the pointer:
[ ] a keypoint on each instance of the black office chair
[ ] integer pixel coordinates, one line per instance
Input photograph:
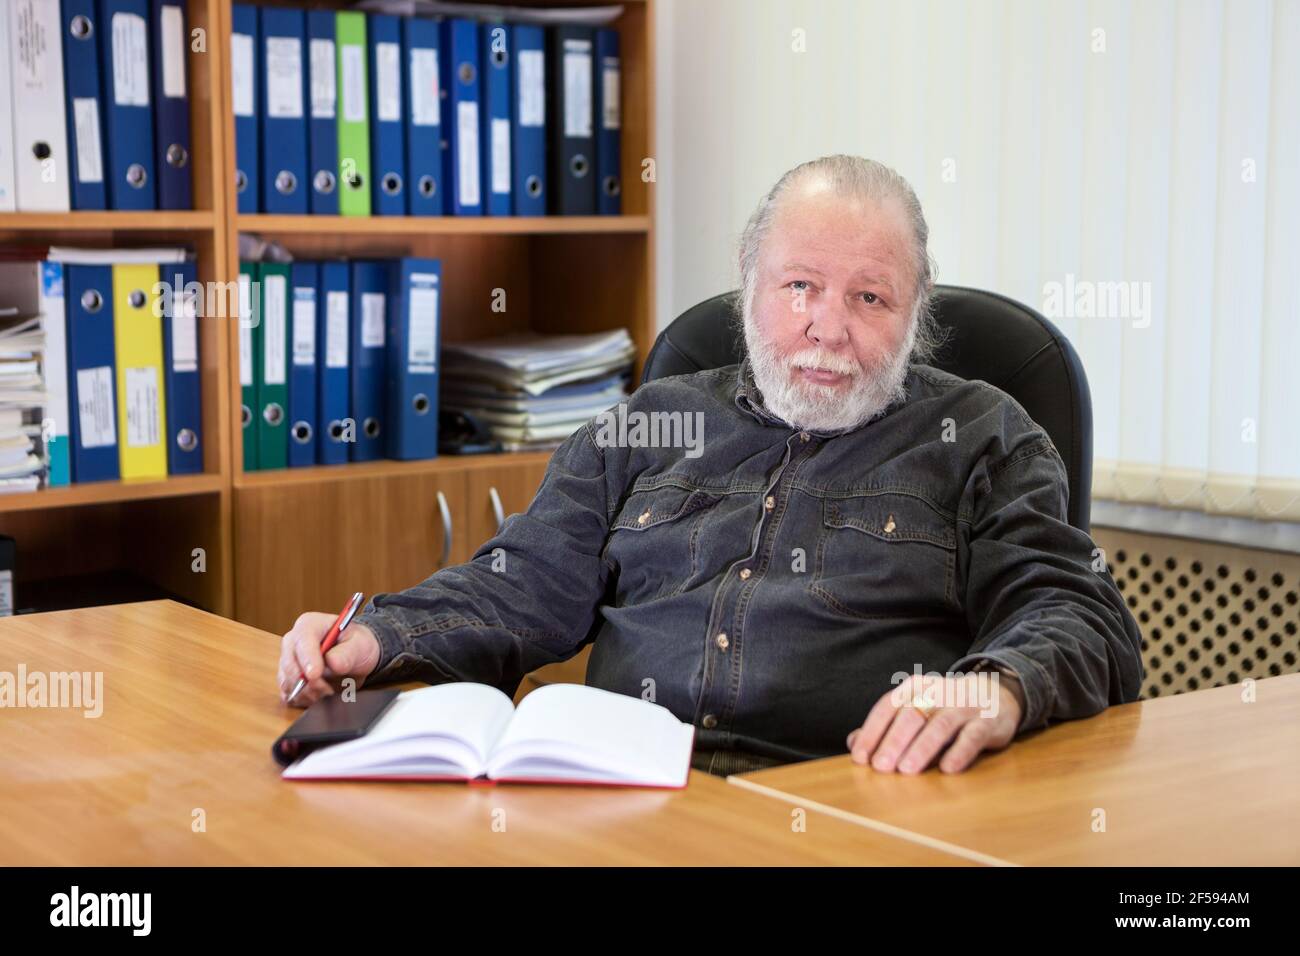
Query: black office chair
(989, 337)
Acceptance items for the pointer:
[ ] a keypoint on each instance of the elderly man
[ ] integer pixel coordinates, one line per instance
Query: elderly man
(860, 545)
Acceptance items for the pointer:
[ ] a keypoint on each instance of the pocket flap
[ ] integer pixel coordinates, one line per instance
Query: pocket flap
(891, 516)
(646, 509)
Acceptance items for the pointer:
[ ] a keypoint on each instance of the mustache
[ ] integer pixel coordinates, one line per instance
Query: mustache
(818, 358)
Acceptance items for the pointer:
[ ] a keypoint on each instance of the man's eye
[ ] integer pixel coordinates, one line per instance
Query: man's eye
(870, 298)
(799, 285)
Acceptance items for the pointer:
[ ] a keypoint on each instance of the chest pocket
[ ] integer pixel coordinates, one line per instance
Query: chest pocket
(653, 543)
(885, 555)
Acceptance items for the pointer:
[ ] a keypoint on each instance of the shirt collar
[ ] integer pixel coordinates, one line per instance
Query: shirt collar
(749, 399)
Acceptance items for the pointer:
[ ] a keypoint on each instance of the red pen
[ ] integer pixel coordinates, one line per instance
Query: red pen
(331, 637)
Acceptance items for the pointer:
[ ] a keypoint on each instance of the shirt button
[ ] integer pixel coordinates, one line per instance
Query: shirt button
(745, 573)
(890, 526)
(723, 643)
(709, 721)
(643, 517)
(804, 436)
(769, 502)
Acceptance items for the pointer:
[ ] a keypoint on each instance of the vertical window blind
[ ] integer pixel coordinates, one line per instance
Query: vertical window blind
(1131, 169)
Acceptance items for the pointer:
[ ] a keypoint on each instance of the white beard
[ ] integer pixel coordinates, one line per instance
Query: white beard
(804, 404)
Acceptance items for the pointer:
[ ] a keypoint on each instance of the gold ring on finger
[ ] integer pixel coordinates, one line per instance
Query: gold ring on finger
(923, 706)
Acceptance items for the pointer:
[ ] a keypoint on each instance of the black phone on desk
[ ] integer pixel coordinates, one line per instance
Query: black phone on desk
(332, 720)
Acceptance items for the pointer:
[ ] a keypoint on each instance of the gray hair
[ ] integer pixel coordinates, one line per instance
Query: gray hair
(860, 178)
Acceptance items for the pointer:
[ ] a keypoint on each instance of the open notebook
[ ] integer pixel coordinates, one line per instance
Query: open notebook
(561, 733)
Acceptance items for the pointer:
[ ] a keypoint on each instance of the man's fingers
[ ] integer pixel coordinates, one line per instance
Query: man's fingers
(934, 736)
(907, 723)
(288, 673)
(306, 653)
(972, 739)
(896, 735)
(314, 691)
(344, 658)
(862, 742)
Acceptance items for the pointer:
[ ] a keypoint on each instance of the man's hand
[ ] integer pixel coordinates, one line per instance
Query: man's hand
(897, 735)
(354, 655)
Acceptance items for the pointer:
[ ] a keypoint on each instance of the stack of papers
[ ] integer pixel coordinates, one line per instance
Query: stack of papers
(161, 255)
(22, 403)
(591, 16)
(533, 391)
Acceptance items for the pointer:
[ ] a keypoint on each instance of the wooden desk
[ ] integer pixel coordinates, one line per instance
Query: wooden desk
(189, 715)
(1198, 779)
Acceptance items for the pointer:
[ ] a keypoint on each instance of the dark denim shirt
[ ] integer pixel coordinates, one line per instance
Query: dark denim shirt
(770, 589)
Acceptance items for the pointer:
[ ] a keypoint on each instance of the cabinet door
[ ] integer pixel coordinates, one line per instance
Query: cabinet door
(494, 493)
(497, 491)
(307, 547)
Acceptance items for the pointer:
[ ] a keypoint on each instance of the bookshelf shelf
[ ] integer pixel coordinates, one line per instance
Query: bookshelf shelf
(178, 221)
(148, 527)
(386, 468)
(112, 492)
(370, 226)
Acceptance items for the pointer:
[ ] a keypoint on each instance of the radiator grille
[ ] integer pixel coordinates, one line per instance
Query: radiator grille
(1210, 614)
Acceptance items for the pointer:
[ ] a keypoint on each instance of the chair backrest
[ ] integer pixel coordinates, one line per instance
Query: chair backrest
(989, 337)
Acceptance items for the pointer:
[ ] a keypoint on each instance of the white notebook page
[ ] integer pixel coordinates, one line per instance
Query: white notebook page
(474, 714)
(631, 738)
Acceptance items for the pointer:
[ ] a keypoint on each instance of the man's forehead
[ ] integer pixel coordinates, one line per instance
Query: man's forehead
(806, 231)
(856, 255)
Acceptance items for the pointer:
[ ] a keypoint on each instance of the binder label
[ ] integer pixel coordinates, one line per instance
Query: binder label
(273, 330)
(142, 419)
(185, 338)
(336, 330)
(501, 156)
(283, 77)
(467, 158)
(130, 60)
(29, 48)
(425, 104)
(577, 88)
(372, 320)
(245, 331)
(245, 356)
(354, 84)
(421, 347)
(324, 91)
(609, 95)
(532, 87)
(304, 326)
(95, 407)
(388, 82)
(85, 119)
(241, 73)
(173, 52)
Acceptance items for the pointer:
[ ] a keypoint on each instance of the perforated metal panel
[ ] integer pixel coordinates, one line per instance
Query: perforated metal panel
(1210, 614)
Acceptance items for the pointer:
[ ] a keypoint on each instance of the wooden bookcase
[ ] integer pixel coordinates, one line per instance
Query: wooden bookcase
(149, 527)
(279, 542)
